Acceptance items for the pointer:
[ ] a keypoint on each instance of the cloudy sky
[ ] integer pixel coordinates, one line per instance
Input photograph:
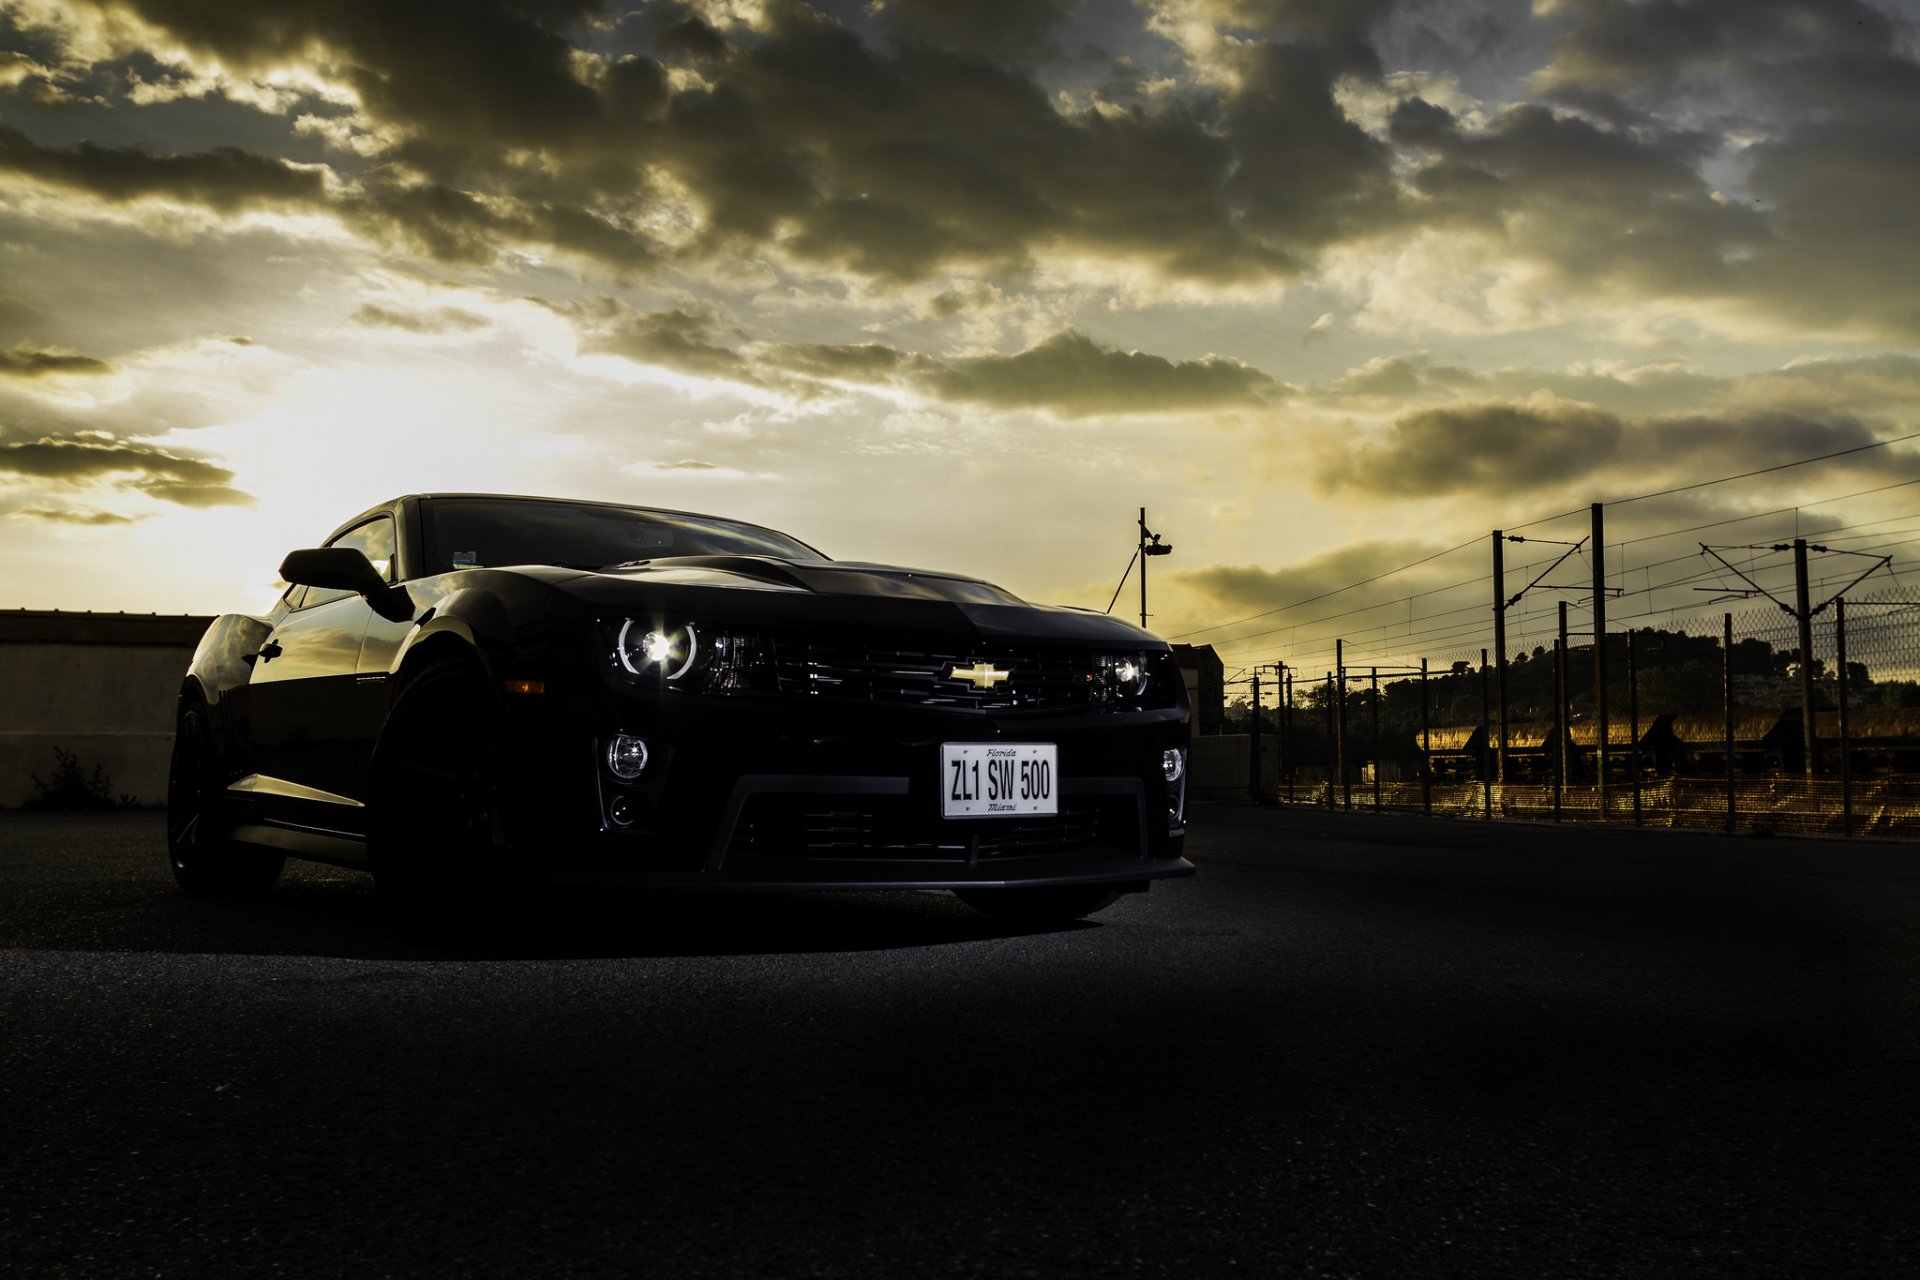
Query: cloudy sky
(1330, 286)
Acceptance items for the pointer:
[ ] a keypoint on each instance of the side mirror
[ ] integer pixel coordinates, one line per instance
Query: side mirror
(333, 569)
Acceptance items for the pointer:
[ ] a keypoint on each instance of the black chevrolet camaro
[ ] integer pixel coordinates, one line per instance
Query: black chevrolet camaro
(465, 692)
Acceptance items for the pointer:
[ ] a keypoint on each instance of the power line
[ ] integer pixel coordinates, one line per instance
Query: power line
(1685, 488)
(1336, 591)
(1784, 466)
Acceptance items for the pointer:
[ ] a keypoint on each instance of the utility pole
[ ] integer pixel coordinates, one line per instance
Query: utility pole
(1809, 738)
(1561, 684)
(1253, 744)
(1150, 545)
(1340, 722)
(1283, 685)
(1332, 739)
(1500, 651)
(1143, 568)
(1802, 614)
(1600, 646)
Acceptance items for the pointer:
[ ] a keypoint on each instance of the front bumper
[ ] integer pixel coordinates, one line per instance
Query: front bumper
(777, 793)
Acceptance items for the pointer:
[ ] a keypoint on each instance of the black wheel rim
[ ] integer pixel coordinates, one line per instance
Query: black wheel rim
(187, 788)
(435, 804)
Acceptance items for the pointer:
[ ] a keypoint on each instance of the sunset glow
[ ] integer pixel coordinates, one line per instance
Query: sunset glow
(1327, 287)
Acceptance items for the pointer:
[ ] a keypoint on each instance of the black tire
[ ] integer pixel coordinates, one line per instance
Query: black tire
(204, 859)
(1047, 905)
(433, 837)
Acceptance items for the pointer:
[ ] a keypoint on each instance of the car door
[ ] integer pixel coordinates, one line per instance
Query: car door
(302, 696)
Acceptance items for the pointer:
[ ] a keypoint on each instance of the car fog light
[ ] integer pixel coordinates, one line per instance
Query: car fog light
(626, 757)
(620, 812)
(1174, 761)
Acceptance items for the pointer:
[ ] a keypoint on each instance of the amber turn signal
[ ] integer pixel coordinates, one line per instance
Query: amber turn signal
(526, 686)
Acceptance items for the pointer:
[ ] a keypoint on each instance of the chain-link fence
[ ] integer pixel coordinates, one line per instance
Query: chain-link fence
(1712, 721)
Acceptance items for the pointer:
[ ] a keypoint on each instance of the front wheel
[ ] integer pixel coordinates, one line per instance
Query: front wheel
(204, 859)
(432, 836)
(1046, 905)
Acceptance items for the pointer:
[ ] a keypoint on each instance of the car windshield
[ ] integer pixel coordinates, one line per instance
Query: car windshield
(471, 533)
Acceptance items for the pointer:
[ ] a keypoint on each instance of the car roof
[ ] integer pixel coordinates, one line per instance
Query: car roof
(394, 503)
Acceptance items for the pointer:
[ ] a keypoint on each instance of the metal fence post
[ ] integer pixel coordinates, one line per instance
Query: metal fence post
(1486, 745)
(1726, 684)
(1253, 744)
(1426, 757)
(1633, 726)
(1332, 740)
(1373, 681)
(1286, 734)
(1846, 746)
(1340, 722)
(1559, 757)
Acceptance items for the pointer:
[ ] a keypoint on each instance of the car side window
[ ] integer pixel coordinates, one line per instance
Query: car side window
(374, 539)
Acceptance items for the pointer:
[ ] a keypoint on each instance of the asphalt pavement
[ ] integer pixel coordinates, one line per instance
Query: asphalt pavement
(1354, 1045)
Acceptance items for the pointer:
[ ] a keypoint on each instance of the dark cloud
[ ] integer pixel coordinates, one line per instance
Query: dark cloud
(224, 179)
(1600, 207)
(1234, 590)
(1633, 49)
(1019, 31)
(1069, 375)
(1341, 29)
(1516, 449)
(1835, 102)
(684, 340)
(24, 362)
(1397, 377)
(862, 362)
(1489, 448)
(159, 473)
(476, 78)
(438, 320)
(895, 161)
(1074, 376)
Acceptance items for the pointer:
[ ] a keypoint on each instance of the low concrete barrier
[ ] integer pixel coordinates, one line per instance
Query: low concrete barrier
(100, 686)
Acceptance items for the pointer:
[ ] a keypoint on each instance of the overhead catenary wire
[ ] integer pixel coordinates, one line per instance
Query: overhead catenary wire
(1525, 630)
(1233, 642)
(1703, 484)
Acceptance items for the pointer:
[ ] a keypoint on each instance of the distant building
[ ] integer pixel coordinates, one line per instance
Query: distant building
(1206, 678)
(101, 686)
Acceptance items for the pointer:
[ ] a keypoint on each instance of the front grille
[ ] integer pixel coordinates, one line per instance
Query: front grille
(1049, 679)
(896, 827)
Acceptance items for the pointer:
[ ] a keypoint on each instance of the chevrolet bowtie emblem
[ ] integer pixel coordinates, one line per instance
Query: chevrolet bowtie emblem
(981, 675)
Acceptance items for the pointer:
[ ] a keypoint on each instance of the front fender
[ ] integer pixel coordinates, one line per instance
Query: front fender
(472, 615)
(219, 670)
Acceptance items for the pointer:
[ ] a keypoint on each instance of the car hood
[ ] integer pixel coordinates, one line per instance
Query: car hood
(822, 577)
(839, 592)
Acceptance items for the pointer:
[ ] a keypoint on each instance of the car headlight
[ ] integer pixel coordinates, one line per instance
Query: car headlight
(666, 652)
(1126, 674)
(707, 659)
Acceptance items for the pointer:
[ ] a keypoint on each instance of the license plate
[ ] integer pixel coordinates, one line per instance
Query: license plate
(998, 779)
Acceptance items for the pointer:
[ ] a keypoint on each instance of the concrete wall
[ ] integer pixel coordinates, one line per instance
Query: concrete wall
(109, 704)
(1217, 764)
